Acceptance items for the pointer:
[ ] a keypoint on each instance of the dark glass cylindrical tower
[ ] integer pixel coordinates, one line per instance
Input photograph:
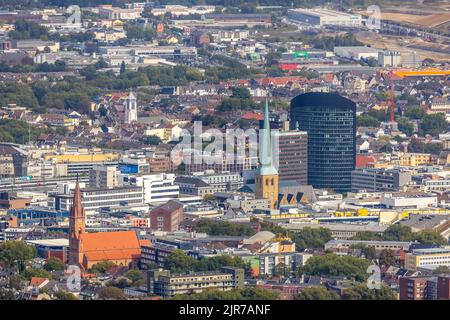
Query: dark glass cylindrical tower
(330, 121)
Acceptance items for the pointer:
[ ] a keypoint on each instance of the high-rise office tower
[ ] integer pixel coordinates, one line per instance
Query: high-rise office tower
(329, 119)
(292, 154)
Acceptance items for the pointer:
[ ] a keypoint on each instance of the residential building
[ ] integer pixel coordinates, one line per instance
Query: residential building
(165, 284)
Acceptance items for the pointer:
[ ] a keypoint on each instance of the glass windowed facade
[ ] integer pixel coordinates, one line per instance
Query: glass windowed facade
(329, 119)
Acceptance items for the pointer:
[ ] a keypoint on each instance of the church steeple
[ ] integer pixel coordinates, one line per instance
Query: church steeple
(131, 108)
(77, 210)
(266, 177)
(77, 227)
(265, 155)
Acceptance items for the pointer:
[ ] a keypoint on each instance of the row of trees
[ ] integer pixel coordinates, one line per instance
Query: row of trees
(223, 228)
(17, 131)
(248, 293)
(330, 265)
(402, 233)
(432, 124)
(358, 292)
(307, 238)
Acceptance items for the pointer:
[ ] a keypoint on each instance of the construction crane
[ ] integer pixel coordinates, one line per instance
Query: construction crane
(401, 74)
(280, 238)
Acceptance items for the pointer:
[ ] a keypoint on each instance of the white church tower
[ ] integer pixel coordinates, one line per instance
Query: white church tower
(131, 108)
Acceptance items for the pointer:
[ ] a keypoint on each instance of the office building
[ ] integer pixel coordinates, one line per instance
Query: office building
(430, 258)
(156, 188)
(379, 180)
(292, 155)
(330, 122)
(94, 199)
(163, 283)
(167, 217)
(103, 177)
(209, 183)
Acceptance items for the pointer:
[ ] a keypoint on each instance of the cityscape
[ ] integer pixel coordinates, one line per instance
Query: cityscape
(224, 150)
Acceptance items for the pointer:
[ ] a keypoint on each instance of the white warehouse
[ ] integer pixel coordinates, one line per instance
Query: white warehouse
(322, 17)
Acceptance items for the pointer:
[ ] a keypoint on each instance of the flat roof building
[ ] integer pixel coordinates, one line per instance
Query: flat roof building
(322, 17)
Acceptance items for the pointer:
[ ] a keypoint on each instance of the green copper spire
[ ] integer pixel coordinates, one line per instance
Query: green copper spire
(265, 153)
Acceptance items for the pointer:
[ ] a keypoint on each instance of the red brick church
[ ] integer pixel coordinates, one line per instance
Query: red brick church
(86, 249)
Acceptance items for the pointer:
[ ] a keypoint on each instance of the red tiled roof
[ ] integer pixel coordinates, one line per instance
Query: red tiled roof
(363, 161)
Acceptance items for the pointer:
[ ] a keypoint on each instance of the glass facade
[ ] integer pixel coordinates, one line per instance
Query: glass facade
(329, 120)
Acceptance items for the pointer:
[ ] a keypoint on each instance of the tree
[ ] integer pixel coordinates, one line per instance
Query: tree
(179, 262)
(123, 68)
(135, 276)
(366, 236)
(429, 237)
(208, 197)
(317, 293)
(63, 295)
(367, 120)
(362, 292)
(16, 253)
(415, 113)
(54, 264)
(152, 140)
(16, 282)
(223, 228)
(111, 293)
(309, 238)
(369, 252)
(416, 146)
(405, 126)
(441, 270)
(248, 293)
(102, 267)
(334, 265)
(433, 148)
(387, 257)
(40, 273)
(433, 124)
(102, 111)
(6, 294)
(397, 232)
(241, 93)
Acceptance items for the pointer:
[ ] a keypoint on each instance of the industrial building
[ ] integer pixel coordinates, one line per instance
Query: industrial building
(325, 17)
(356, 53)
